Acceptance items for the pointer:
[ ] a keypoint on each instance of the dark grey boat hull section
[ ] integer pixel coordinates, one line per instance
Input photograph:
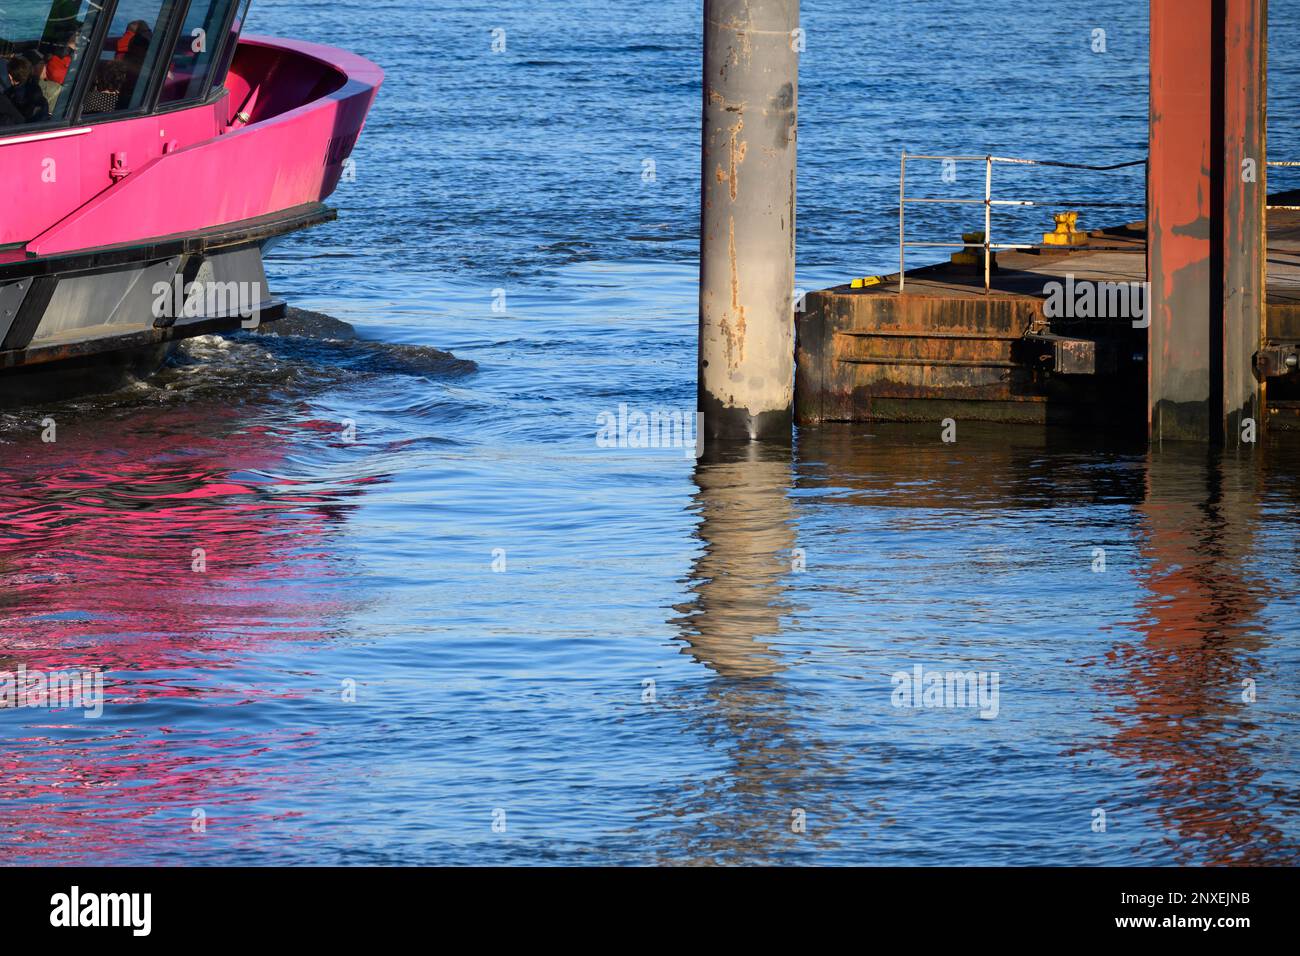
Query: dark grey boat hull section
(81, 307)
(71, 309)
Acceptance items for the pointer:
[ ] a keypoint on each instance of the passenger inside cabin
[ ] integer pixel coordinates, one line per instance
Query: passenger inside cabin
(132, 49)
(134, 43)
(9, 115)
(50, 89)
(24, 92)
(7, 53)
(110, 78)
(60, 61)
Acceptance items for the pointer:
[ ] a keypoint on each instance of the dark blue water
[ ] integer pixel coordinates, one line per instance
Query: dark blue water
(438, 623)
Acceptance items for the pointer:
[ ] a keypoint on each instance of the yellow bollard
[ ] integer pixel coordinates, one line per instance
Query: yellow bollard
(973, 254)
(1065, 233)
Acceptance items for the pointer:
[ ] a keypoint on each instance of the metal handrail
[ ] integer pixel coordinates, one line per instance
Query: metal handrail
(988, 202)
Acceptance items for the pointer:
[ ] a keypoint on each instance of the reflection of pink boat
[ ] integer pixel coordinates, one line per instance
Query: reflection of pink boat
(136, 204)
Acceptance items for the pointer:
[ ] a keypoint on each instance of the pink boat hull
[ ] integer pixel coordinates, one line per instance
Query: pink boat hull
(191, 170)
(107, 211)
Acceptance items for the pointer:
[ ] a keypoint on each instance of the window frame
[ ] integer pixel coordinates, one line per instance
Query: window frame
(147, 105)
(92, 41)
(150, 106)
(239, 8)
(218, 56)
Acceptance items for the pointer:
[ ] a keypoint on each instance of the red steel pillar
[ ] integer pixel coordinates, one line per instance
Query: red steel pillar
(1206, 192)
(1245, 197)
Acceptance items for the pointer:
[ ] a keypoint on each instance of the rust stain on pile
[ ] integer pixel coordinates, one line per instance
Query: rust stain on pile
(735, 334)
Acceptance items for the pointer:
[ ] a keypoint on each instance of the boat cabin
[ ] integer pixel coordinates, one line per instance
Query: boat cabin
(97, 62)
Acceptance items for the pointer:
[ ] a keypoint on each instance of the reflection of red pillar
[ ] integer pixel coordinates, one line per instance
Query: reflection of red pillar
(1205, 215)
(1182, 725)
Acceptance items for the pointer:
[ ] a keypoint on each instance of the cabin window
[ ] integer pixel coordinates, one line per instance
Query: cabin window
(131, 56)
(44, 46)
(228, 54)
(196, 47)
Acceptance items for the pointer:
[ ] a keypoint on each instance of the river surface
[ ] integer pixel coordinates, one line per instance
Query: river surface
(385, 599)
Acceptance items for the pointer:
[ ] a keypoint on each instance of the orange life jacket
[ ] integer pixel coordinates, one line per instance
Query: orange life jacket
(57, 68)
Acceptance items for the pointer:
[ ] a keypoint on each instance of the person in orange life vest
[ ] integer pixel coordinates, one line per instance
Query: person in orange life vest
(134, 43)
(132, 48)
(56, 68)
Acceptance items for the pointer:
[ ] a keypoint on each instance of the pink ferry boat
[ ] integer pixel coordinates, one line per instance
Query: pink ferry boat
(148, 154)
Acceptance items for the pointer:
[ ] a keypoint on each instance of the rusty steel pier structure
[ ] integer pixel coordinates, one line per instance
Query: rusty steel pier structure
(1213, 356)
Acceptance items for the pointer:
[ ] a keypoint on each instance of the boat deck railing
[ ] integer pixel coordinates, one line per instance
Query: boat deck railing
(988, 202)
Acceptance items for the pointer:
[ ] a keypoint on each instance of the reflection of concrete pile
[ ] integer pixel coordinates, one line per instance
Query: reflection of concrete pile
(747, 539)
(777, 768)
